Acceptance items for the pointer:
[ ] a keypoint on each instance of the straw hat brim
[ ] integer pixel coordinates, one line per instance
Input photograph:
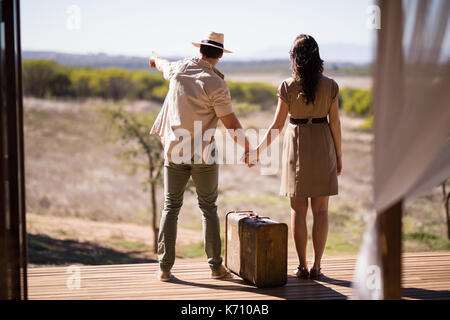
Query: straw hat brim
(195, 44)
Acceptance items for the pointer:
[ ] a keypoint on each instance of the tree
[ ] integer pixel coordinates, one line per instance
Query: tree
(81, 79)
(60, 85)
(38, 76)
(142, 150)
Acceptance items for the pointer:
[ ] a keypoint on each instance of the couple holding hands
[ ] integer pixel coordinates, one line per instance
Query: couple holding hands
(312, 156)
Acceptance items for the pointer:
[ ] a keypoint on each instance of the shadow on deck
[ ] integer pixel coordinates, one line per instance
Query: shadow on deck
(425, 276)
(49, 251)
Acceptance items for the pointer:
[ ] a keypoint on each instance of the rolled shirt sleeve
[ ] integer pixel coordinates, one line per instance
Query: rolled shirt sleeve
(221, 100)
(167, 68)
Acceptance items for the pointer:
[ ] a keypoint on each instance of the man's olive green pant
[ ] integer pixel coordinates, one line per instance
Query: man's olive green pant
(205, 178)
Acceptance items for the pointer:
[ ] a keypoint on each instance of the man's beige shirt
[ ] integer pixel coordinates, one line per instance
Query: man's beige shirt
(198, 95)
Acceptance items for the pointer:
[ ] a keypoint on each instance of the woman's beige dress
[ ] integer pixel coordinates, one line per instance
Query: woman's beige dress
(309, 156)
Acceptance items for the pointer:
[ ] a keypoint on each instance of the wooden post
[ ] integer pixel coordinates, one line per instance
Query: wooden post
(13, 246)
(390, 228)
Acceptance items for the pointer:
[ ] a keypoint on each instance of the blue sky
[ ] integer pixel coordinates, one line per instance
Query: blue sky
(136, 27)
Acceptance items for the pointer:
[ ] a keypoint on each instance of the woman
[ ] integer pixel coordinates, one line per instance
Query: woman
(312, 156)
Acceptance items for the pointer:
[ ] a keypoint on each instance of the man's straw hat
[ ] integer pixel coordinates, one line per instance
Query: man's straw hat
(212, 39)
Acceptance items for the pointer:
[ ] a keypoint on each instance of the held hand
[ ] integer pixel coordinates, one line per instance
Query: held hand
(251, 158)
(245, 158)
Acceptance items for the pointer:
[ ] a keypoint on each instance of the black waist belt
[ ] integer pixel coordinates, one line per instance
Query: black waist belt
(304, 121)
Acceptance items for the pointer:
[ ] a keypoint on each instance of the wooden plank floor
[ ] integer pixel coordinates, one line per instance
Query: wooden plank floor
(425, 276)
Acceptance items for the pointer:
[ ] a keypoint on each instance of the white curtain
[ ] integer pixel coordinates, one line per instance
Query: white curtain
(412, 116)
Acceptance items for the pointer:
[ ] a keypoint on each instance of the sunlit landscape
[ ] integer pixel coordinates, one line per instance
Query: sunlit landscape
(74, 171)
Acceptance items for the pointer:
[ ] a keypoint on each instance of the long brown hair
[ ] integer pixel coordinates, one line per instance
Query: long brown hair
(307, 66)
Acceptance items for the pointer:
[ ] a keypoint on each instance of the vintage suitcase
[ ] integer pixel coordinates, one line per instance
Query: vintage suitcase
(256, 248)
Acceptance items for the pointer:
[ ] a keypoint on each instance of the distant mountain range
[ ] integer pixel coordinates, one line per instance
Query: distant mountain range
(101, 60)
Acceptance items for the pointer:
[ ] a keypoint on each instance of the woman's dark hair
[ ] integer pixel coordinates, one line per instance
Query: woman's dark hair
(307, 66)
(211, 52)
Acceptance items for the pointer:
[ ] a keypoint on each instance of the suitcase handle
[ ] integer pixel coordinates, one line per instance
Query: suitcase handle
(251, 214)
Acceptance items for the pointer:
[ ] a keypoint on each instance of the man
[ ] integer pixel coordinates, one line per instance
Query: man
(198, 97)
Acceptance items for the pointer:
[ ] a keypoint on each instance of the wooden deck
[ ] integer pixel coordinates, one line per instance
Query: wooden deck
(425, 276)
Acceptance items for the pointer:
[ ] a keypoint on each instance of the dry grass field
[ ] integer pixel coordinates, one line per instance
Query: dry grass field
(82, 199)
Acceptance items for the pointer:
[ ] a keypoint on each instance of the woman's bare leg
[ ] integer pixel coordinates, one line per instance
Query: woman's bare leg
(319, 206)
(299, 208)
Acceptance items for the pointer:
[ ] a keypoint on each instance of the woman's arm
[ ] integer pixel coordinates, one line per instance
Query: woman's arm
(276, 126)
(335, 126)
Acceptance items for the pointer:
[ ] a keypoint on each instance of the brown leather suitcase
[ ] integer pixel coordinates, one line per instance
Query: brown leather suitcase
(256, 248)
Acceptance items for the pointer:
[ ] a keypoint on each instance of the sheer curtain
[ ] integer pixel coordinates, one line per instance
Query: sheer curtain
(412, 117)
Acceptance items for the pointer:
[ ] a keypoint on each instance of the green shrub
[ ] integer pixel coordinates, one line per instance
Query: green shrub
(243, 108)
(43, 78)
(144, 83)
(159, 93)
(112, 83)
(237, 91)
(60, 84)
(81, 82)
(262, 94)
(357, 102)
(367, 124)
(346, 93)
